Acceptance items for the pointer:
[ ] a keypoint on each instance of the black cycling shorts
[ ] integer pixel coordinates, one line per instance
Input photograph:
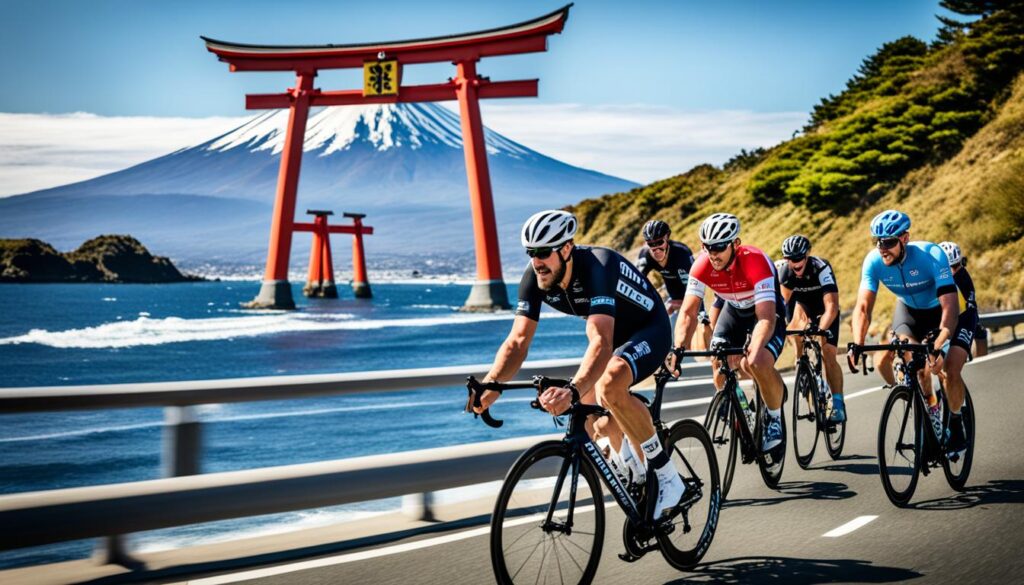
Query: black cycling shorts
(981, 333)
(966, 325)
(733, 327)
(647, 349)
(915, 323)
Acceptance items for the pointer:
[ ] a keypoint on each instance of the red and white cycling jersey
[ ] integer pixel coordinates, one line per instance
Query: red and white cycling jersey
(750, 279)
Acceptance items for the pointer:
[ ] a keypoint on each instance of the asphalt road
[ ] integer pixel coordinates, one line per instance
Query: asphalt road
(777, 536)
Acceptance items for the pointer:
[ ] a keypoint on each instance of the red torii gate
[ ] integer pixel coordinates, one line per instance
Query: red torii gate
(320, 281)
(381, 63)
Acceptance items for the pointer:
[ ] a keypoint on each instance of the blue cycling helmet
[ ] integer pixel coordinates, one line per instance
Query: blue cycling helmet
(890, 223)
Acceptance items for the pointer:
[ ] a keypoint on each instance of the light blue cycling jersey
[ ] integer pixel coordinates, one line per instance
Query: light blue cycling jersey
(916, 280)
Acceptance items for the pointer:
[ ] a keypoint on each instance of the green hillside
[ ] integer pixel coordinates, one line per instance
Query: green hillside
(934, 130)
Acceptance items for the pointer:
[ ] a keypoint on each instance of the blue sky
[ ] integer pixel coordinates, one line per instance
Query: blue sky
(144, 57)
(641, 89)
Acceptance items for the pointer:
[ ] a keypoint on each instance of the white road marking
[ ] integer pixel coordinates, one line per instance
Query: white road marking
(849, 527)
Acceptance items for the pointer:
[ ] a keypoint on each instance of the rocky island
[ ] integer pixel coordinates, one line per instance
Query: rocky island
(108, 258)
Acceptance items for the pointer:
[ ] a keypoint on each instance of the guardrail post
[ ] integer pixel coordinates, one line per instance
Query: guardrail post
(182, 441)
(419, 506)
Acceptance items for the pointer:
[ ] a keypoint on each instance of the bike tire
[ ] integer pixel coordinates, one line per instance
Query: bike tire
(903, 416)
(958, 473)
(771, 473)
(805, 415)
(724, 438)
(518, 535)
(694, 457)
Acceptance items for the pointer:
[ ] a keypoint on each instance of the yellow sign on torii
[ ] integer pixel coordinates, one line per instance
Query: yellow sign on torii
(380, 78)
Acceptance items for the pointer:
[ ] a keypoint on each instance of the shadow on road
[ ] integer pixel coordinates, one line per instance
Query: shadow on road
(799, 490)
(1000, 491)
(795, 571)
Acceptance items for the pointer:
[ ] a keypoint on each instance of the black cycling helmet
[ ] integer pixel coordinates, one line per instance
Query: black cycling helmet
(796, 247)
(655, 229)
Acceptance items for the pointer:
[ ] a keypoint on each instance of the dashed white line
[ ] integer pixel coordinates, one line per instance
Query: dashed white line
(849, 527)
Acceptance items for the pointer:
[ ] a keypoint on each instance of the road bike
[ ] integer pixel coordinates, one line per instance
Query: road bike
(812, 404)
(907, 442)
(549, 521)
(736, 426)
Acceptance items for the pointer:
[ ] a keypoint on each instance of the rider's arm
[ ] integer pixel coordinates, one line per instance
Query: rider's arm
(862, 314)
(600, 331)
(831, 311)
(686, 322)
(950, 313)
(513, 350)
(787, 293)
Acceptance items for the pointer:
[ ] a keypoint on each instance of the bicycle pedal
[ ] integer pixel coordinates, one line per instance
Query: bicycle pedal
(628, 557)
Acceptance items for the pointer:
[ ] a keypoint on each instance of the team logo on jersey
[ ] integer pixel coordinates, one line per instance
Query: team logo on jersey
(634, 295)
(627, 271)
(577, 286)
(914, 272)
(640, 350)
(523, 307)
(602, 301)
(552, 299)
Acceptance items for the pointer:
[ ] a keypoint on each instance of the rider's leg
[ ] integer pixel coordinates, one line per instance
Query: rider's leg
(981, 342)
(630, 413)
(953, 367)
(761, 363)
(833, 371)
(606, 426)
(883, 365)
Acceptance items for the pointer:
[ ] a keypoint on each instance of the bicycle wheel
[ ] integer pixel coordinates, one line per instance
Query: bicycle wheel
(958, 471)
(835, 433)
(720, 423)
(690, 533)
(771, 463)
(899, 445)
(805, 415)
(540, 531)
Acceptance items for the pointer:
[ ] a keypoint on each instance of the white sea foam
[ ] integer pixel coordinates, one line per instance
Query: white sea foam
(148, 331)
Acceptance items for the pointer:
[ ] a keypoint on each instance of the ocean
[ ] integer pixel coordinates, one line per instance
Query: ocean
(71, 334)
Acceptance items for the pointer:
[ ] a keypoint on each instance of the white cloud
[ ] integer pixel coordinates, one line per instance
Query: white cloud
(38, 151)
(636, 142)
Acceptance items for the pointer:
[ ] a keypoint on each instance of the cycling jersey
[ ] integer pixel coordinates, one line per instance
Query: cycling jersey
(749, 279)
(604, 283)
(675, 272)
(810, 289)
(919, 279)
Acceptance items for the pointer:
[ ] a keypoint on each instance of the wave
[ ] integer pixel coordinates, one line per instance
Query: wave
(149, 331)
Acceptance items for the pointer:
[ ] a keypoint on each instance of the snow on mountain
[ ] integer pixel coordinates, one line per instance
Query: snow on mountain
(401, 164)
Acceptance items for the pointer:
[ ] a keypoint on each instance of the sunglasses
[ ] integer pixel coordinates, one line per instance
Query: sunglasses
(886, 243)
(796, 259)
(716, 248)
(655, 243)
(540, 253)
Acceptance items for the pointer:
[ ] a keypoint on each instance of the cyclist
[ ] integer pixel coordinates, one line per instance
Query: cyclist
(967, 324)
(672, 260)
(744, 278)
(918, 274)
(627, 328)
(808, 283)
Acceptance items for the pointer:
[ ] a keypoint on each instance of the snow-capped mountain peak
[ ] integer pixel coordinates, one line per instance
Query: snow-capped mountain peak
(383, 126)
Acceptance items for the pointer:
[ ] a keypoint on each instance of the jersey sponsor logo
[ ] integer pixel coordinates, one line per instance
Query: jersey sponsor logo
(581, 300)
(766, 285)
(577, 286)
(640, 350)
(523, 307)
(626, 270)
(914, 272)
(552, 299)
(966, 336)
(602, 301)
(634, 295)
(683, 275)
(827, 278)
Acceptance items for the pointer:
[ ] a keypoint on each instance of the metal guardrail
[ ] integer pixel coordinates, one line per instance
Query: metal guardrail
(36, 518)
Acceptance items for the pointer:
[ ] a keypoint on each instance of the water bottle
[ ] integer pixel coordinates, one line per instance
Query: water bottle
(745, 407)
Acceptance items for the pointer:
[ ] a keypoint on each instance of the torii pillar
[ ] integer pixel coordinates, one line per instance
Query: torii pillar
(320, 281)
(382, 71)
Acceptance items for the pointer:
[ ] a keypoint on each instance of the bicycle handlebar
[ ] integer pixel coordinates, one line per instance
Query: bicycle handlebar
(476, 388)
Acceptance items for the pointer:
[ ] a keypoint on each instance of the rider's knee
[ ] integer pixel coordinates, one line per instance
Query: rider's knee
(760, 361)
(613, 387)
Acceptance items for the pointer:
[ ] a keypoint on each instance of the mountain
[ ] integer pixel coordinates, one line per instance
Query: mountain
(935, 130)
(403, 165)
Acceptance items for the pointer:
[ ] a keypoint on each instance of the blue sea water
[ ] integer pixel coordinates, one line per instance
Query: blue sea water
(99, 334)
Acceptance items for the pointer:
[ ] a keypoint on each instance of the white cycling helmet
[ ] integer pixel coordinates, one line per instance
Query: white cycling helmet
(719, 228)
(549, 229)
(952, 251)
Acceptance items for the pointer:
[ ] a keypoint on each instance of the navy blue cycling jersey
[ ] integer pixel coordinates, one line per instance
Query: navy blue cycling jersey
(675, 272)
(965, 285)
(603, 282)
(918, 279)
(810, 288)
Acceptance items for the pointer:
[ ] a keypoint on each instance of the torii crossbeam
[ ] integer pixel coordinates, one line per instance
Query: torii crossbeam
(382, 66)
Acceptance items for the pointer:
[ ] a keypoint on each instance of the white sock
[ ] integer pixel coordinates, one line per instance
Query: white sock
(632, 461)
(775, 412)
